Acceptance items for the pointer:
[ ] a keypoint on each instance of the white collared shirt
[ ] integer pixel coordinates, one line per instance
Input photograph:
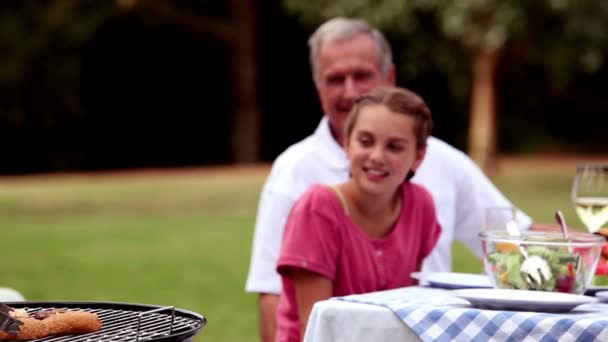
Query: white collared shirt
(459, 188)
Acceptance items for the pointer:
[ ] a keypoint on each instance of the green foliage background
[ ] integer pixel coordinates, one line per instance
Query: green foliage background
(550, 79)
(552, 57)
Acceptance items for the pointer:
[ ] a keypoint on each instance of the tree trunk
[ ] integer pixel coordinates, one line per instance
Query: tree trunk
(241, 34)
(245, 141)
(482, 128)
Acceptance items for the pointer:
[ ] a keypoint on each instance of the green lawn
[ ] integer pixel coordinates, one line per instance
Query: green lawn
(178, 238)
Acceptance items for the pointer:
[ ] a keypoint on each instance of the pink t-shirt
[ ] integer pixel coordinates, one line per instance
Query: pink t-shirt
(321, 238)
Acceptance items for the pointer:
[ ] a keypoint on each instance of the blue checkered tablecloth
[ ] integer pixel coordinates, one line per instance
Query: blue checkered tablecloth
(436, 315)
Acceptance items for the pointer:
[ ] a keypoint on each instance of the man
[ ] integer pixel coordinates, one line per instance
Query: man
(349, 58)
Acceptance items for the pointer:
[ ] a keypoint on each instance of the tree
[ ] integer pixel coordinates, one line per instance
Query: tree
(41, 74)
(239, 31)
(39, 79)
(563, 36)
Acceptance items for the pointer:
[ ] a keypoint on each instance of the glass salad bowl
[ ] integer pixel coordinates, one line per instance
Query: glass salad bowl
(540, 260)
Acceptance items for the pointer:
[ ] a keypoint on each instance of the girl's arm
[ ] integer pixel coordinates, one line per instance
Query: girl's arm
(310, 288)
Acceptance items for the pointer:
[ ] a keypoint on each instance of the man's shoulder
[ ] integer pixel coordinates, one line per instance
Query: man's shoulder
(443, 167)
(438, 146)
(297, 157)
(300, 165)
(440, 152)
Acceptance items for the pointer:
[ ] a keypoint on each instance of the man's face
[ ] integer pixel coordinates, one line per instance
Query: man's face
(347, 69)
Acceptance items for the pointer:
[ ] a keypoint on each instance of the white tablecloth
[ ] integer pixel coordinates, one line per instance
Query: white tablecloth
(340, 321)
(431, 315)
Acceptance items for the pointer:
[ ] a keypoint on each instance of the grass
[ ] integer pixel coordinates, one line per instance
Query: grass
(181, 237)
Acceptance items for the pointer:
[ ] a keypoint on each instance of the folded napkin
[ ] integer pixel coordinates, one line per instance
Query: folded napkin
(437, 315)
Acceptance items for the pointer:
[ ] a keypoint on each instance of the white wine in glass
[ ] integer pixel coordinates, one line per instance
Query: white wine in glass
(590, 195)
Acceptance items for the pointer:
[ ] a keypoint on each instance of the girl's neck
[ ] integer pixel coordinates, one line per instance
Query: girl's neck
(372, 206)
(374, 214)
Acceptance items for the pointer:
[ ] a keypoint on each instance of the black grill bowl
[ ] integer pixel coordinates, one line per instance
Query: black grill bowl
(123, 322)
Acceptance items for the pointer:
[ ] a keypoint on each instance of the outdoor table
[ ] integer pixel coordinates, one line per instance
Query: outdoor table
(429, 314)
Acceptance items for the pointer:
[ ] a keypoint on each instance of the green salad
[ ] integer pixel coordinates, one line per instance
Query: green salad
(561, 276)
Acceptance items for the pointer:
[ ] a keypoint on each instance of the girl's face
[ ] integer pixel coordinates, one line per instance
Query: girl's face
(382, 149)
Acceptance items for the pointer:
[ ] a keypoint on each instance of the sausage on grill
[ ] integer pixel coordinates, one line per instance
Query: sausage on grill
(52, 322)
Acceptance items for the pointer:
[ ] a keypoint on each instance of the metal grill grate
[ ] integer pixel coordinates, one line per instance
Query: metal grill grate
(126, 325)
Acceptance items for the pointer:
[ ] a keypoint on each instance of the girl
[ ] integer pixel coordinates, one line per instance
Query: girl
(373, 231)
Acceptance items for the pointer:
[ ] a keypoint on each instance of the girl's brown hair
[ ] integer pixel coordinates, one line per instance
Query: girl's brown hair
(397, 100)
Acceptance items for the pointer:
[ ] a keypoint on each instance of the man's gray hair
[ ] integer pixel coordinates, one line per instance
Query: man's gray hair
(344, 28)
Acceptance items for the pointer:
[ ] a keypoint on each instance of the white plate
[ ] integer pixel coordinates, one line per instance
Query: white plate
(593, 289)
(602, 295)
(454, 280)
(523, 300)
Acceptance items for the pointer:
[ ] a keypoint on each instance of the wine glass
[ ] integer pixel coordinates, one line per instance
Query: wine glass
(590, 195)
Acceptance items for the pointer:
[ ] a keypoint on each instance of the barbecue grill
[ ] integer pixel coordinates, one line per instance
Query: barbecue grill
(123, 322)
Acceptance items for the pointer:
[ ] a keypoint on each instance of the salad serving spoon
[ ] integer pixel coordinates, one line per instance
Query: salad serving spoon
(562, 223)
(536, 270)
